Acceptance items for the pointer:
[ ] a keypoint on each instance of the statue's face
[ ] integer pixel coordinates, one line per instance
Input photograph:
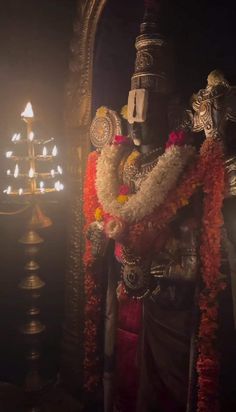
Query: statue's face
(142, 133)
(148, 120)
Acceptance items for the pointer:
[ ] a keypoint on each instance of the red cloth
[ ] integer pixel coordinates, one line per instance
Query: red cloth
(126, 361)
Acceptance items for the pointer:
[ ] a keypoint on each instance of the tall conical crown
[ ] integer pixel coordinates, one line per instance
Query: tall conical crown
(150, 64)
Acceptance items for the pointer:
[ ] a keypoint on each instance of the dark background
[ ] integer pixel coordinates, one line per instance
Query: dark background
(34, 55)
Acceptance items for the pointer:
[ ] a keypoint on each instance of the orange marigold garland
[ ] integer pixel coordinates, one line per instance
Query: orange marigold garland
(210, 252)
(92, 376)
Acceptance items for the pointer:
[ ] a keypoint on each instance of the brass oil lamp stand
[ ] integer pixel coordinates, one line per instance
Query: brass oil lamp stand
(32, 285)
(34, 174)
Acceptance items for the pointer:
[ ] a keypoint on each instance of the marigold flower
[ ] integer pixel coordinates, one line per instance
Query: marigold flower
(122, 199)
(98, 214)
(132, 157)
(101, 111)
(124, 112)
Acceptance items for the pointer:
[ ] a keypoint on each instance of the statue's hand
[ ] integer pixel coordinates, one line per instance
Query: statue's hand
(98, 239)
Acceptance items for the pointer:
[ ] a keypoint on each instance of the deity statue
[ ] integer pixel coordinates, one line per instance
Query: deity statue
(154, 224)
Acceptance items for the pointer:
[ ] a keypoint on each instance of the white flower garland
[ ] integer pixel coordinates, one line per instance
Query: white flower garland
(153, 189)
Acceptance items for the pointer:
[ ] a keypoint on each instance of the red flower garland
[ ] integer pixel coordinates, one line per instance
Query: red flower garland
(208, 357)
(92, 376)
(209, 172)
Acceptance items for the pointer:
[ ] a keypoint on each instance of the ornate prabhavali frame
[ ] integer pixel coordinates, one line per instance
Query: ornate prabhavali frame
(78, 119)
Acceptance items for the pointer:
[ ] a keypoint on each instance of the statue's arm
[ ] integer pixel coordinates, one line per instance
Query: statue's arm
(182, 265)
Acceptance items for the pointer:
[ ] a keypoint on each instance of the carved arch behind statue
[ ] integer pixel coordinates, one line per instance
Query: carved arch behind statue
(77, 119)
(84, 83)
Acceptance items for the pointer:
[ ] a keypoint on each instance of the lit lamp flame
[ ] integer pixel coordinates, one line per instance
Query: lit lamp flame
(8, 172)
(16, 171)
(9, 154)
(45, 152)
(52, 173)
(54, 151)
(8, 190)
(31, 136)
(20, 191)
(41, 185)
(28, 112)
(16, 137)
(59, 169)
(59, 186)
(31, 172)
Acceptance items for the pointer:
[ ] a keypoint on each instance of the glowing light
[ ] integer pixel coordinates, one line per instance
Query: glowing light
(31, 136)
(41, 185)
(8, 190)
(8, 172)
(59, 169)
(16, 137)
(54, 151)
(45, 152)
(52, 173)
(20, 191)
(58, 186)
(16, 171)
(31, 172)
(28, 112)
(9, 154)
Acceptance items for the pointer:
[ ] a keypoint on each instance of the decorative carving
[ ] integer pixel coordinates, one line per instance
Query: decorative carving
(104, 127)
(150, 65)
(144, 61)
(78, 91)
(213, 107)
(78, 118)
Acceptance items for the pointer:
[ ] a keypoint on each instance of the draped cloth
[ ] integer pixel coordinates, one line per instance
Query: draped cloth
(164, 362)
(152, 357)
(127, 371)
